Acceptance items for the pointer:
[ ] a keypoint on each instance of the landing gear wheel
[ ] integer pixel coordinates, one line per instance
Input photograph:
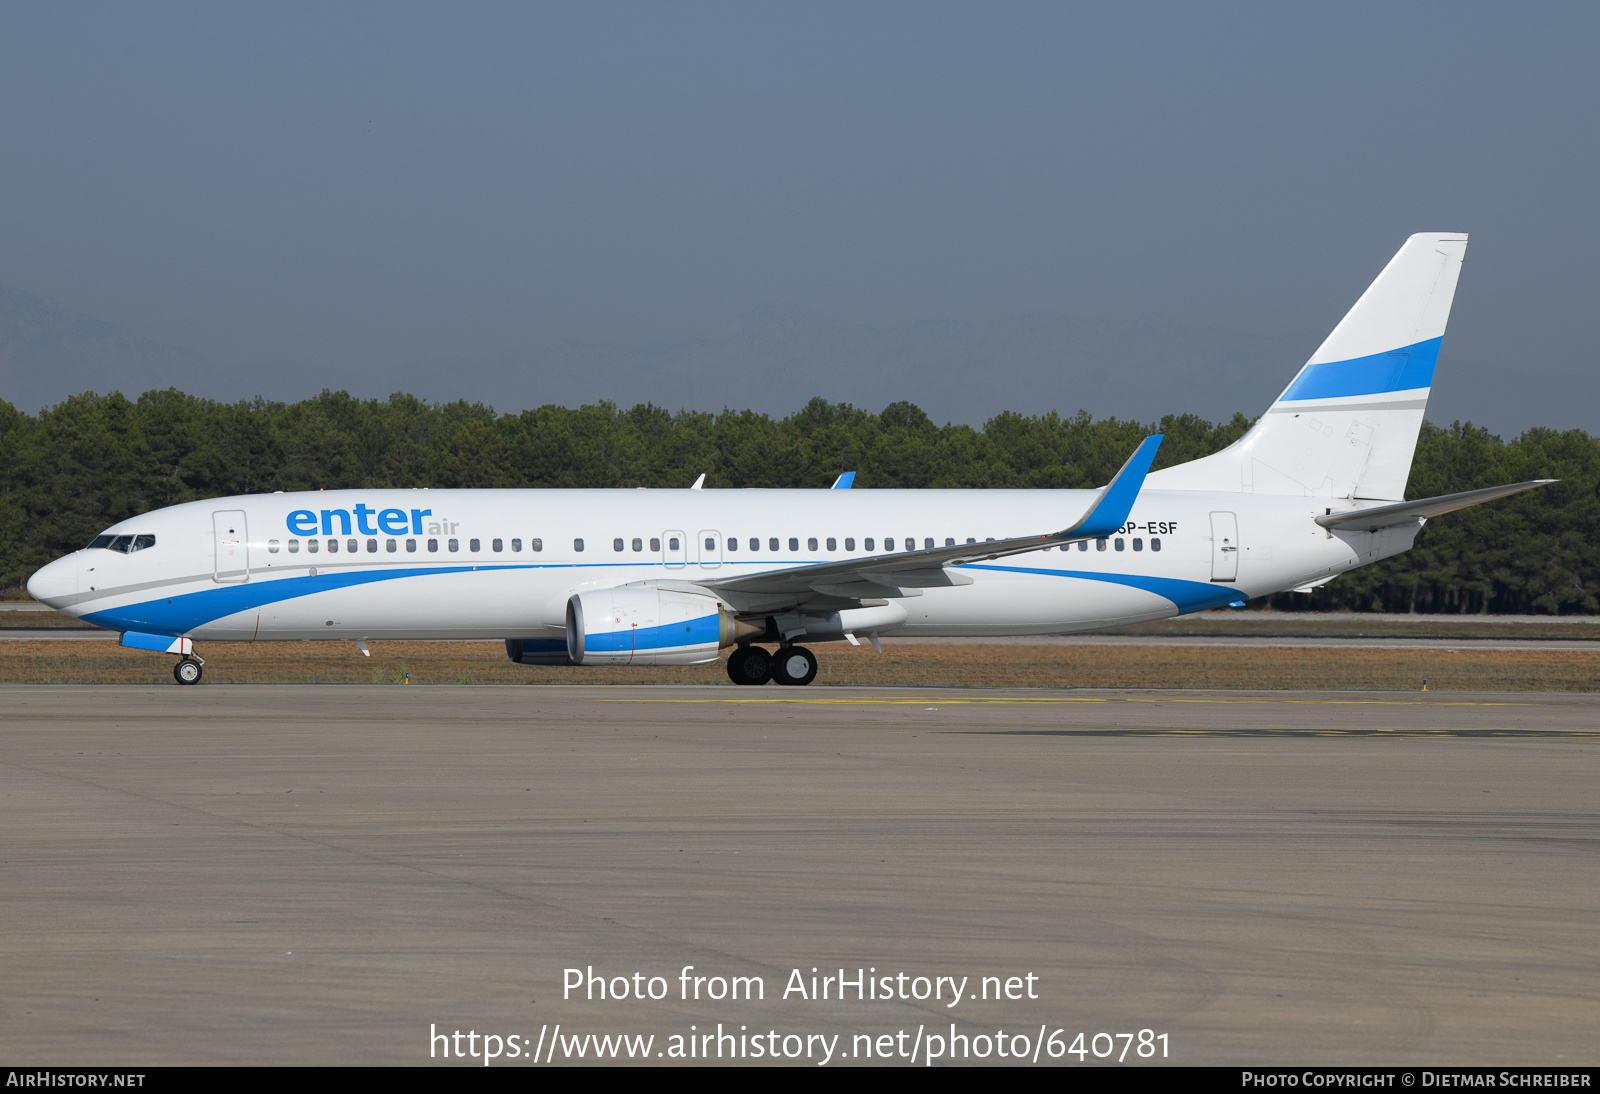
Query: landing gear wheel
(187, 671)
(750, 665)
(795, 666)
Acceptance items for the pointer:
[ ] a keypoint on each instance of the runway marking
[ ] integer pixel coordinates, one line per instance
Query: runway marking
(1133, 731)
(1045, 701)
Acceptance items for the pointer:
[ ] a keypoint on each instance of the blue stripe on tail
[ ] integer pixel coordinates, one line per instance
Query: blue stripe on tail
(1403, 369)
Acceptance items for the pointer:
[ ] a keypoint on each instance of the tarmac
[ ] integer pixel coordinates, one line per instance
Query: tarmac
(313, 875)
(1232, 641)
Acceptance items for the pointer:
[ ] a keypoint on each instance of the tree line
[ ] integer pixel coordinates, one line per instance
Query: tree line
(92, 460)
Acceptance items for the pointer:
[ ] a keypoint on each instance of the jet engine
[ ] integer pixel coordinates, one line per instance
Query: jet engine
(641, 625)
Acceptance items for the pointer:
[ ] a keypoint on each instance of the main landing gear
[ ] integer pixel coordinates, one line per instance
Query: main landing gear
(187, 670)
(795, 666)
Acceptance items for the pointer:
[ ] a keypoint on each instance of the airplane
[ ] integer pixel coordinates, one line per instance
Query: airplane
(675, 577)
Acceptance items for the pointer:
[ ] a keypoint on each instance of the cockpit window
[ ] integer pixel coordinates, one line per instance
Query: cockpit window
(126, 544)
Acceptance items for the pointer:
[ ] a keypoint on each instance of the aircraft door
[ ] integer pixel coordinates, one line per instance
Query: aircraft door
(710, 544)
(233, 546)
(675, 549)
(1224, 547)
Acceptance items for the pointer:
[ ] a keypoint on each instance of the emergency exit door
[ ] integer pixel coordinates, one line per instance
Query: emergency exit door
(675, 549)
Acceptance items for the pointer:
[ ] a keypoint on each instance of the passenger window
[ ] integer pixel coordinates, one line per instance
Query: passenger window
(536, 544)
(433, 546)
(755, 544)
(1083, 545)
(498, 545)
(711, 544)
(372, 546)
(849, 544)
(950, 541)
(313, 545)
(794, 543)
(811, 544)
(1099, 545)
(391, 546)
(1155, 545)
(333, 546)
(352, 546)
(911, 543)
(411, 546)
(971, 540)
(616, 545)
(927, 544)
(1120, 545)
(672, 543)
(655, 543)
(866, 544)
(472, 545)
(638, 544)
(888, 543)
(272, 546)
(1138, 544)
(577, 545)
(772, 544)
(833, 544)
(454, 545)
(516, 546)
(294, 546)
(733, 543)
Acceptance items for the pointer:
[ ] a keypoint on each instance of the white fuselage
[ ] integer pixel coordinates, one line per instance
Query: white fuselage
(436, 564)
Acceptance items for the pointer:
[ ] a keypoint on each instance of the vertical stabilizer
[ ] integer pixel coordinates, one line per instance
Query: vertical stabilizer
(1347, 425)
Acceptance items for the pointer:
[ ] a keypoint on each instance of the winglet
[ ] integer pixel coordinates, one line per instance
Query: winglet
(1111, 509)
(698, 483)
(845, 480)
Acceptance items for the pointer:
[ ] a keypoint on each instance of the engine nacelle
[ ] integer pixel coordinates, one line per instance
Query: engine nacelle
(632, 625)
(538, 651)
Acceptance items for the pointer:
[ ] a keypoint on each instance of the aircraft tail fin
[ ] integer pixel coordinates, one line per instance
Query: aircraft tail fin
(1347, 425)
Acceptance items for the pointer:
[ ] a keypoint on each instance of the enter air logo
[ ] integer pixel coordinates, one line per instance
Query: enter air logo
(394, 522)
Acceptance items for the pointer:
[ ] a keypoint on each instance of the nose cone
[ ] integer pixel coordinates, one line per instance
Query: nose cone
(57, 583)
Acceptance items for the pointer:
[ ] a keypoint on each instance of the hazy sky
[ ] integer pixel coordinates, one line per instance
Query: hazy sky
(337, 190)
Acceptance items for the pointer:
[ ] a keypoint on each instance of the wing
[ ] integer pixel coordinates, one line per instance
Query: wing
(907, 573)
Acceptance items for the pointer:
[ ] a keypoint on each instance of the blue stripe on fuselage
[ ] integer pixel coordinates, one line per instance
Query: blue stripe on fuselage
(1189, 596)
(183, 613)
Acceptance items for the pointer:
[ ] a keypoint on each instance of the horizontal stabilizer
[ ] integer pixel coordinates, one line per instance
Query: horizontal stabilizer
(1387, 516)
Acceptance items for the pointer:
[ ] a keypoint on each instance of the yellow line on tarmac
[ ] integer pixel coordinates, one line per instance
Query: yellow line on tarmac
(1026, 700)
